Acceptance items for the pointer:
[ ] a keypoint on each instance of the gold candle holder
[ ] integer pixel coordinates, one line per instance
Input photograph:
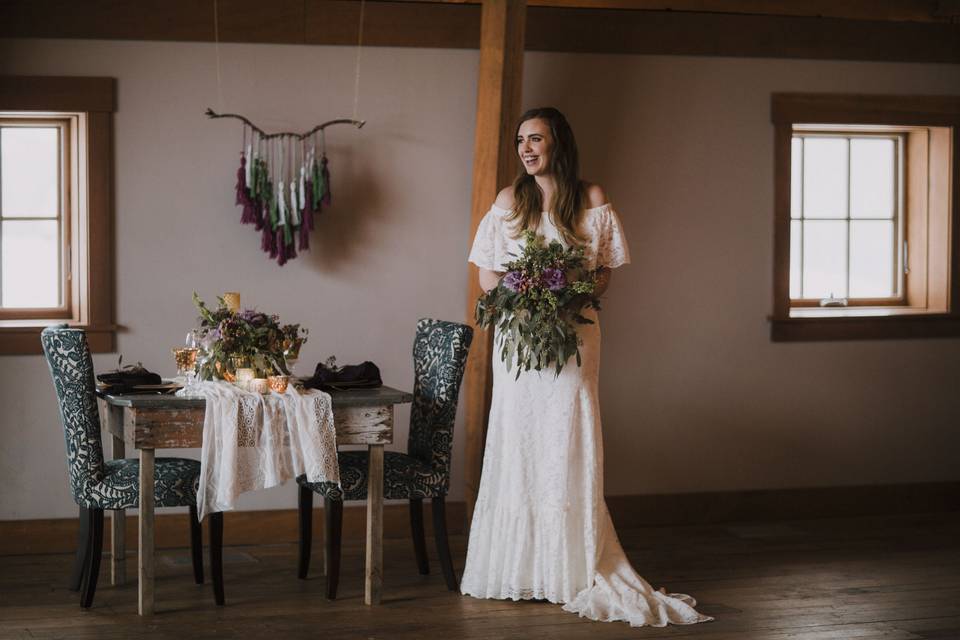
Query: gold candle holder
(232, 300)
(278, 383)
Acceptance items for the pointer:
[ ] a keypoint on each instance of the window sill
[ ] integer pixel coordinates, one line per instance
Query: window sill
(22, 337)
(891, 326)
(861, 312)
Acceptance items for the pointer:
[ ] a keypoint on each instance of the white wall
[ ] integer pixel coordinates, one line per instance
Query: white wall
(695, 396)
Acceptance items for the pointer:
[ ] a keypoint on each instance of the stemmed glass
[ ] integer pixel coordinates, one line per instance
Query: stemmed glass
(186, 358)
(291, 353)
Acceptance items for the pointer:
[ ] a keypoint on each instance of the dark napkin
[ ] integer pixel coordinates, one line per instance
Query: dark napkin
(124, 380)
(365, 375)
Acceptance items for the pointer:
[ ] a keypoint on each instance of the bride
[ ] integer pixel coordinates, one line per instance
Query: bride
(540, 527)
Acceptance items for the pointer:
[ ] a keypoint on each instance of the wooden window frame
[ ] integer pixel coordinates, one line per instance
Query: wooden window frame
(90, 103)
(932, 287)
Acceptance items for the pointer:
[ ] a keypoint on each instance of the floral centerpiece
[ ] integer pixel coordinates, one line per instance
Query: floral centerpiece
(538, 304)
(229, 339)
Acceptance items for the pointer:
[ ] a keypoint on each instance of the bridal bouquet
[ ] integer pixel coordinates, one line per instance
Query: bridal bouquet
(538, 303)
(230, 339)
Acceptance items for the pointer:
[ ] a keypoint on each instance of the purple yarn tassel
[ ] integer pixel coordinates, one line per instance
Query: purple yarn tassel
(242, 181)
(304, 235)
(267, 241)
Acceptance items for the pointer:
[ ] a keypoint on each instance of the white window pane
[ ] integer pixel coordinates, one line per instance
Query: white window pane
(824, 259)
(29, 166)
(796, 177)
(871, 259)
(795, 244)
(825, 177)
(30, 264)
(871, 178)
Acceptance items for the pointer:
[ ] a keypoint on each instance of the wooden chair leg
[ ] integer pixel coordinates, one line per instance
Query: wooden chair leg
(196, 545)
(94, 553)
(216, 555)
(419, 539)
(305, 513)
(83, 546)
(333, 521)
(443, 545)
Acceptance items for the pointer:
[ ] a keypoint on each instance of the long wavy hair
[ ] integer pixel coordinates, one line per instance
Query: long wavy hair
(564, 165)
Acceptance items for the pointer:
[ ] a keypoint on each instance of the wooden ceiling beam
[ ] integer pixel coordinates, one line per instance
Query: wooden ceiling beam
(456, 24)
(884, 10)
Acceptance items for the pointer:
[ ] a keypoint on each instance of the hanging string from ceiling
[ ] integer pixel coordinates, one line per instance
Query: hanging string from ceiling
(284, 179)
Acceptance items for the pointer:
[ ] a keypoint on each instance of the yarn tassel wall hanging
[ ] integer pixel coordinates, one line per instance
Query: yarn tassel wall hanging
(282, 182)
(282, 185)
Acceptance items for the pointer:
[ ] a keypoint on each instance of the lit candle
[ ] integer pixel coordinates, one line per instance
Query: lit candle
(232, 300)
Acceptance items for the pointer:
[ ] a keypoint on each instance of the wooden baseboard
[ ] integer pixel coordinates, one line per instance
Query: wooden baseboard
(783, 504)
(21, 537)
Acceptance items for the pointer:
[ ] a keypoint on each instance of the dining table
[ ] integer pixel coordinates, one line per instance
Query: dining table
(147, 422)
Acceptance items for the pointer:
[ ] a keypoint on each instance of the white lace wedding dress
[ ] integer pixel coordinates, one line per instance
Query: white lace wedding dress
(540, 527)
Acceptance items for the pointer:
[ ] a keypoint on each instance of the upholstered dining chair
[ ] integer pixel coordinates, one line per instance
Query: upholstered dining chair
(97, 484)
(439, 357)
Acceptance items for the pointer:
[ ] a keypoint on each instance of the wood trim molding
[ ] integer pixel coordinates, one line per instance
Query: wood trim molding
(864, 108)
(940, 316)
(694, 27)
(59, 535)
(57, 93)
(95, 100)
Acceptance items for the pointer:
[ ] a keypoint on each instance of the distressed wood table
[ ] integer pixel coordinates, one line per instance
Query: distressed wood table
(150, 422)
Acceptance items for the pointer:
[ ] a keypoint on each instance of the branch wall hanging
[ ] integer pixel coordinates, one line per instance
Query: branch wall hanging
(284, 178)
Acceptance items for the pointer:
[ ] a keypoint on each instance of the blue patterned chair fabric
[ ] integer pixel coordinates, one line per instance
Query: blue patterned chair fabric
(439, 358)
(96, 484)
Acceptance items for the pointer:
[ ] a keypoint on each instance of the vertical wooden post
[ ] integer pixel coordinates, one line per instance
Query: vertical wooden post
(145, 556)
(500, 85)
(118, 520)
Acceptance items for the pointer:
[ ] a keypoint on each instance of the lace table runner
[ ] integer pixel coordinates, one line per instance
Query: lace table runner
(253, 441)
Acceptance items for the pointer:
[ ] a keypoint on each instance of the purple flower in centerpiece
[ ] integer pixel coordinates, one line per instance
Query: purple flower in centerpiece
(514, 280)
(254, 317)
(553, 279)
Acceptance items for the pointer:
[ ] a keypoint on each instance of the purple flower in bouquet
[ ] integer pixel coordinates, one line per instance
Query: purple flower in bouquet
(253, 316)
(514, 280)
(553, 279)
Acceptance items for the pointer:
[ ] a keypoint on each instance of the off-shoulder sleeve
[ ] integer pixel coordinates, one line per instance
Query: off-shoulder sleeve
(612, 250)
(489, 250)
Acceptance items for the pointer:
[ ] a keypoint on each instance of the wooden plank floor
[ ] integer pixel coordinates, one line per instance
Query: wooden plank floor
(895, 578)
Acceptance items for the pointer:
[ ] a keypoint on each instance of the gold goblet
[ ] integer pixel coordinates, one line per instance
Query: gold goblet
(186, 359)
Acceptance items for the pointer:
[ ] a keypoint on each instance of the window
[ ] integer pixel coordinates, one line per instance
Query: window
(846, 218)
(35, 216)
(55, 209)
(864, 216)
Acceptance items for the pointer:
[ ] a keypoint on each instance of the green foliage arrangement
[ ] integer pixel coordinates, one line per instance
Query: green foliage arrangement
(538, 304)
(228, 340)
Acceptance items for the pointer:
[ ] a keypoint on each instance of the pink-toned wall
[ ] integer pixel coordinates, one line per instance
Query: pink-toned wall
(695, 397)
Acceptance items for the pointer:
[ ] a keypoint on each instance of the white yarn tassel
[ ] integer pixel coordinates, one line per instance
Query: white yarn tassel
(303, 191)
(281, 205)
(249, 167)
(294, 207)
